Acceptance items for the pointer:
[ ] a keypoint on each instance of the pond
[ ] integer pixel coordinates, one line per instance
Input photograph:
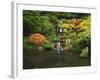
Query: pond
(53, 59)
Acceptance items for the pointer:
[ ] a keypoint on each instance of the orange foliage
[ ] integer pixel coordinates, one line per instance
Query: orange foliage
(37, 39)
(75, 22)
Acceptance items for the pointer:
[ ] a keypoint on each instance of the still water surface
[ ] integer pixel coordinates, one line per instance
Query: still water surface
(52, 59)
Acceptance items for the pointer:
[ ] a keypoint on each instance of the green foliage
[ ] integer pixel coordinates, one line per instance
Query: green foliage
(37, 22)
(65, 20)
(47, 45)
(27, 45)
(52, 37)
(28, 25)
(25, 42)
(83, 39)
(45, 23)
(85, 24)
(53, 18)
(80, 35)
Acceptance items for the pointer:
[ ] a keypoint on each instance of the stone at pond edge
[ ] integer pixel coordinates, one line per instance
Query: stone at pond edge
(84, 52)
(40, 48)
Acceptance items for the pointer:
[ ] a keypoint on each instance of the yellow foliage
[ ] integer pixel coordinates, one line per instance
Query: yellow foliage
(85, 25)
(65, 25)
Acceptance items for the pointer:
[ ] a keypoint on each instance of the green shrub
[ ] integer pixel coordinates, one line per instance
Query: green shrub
(47, 45)
(27, 45)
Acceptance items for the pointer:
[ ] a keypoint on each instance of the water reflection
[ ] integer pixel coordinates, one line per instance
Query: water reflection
(53, 58)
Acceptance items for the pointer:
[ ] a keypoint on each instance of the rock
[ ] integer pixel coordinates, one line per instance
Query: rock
(84, 52)
(40, 48)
